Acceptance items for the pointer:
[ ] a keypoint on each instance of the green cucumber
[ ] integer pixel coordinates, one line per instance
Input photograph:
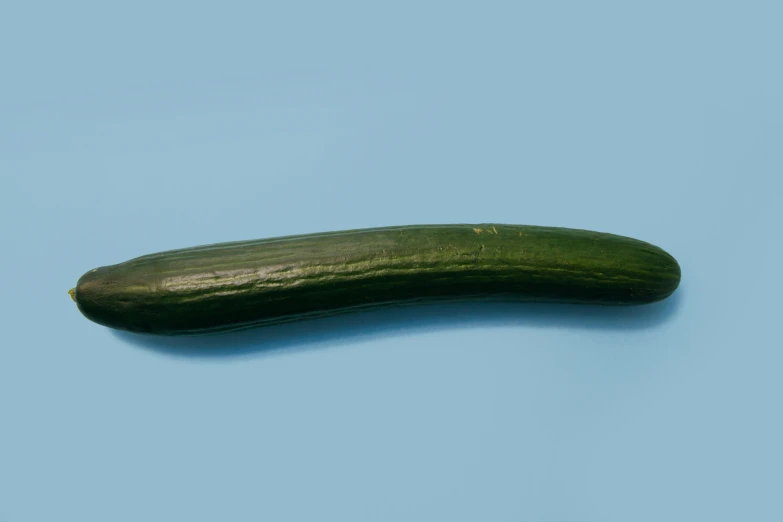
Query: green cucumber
(249, 283)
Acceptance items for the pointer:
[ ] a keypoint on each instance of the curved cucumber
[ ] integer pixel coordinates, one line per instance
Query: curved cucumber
(248, 283)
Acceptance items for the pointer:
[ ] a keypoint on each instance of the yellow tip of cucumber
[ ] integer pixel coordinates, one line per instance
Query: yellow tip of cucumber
(72, 293)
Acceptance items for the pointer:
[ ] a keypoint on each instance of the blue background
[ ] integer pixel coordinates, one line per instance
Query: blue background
(134, 128)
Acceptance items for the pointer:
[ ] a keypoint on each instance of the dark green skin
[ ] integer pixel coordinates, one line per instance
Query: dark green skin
(249, 283)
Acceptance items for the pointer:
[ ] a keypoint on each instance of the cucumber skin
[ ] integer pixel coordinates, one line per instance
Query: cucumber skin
(250, 283)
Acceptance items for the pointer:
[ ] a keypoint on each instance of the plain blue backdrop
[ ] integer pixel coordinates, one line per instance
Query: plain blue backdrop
(127, 129)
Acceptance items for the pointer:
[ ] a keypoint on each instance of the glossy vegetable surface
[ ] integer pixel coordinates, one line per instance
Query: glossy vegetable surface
(241, 284)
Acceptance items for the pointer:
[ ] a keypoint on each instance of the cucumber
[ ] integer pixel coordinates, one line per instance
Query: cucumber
(249, 283)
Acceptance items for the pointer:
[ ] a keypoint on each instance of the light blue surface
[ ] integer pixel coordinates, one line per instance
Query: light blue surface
(128, 130)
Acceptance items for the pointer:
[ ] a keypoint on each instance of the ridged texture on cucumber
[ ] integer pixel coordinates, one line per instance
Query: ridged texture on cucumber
(248, 283)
